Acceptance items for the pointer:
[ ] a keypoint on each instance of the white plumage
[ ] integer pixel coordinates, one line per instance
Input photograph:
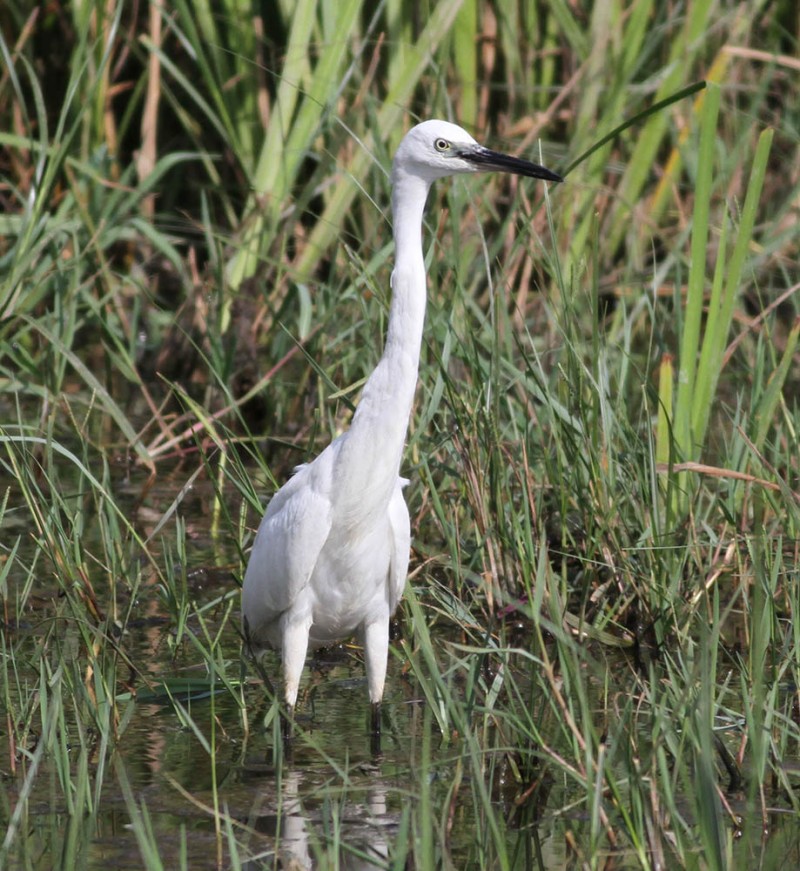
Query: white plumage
(331, 554)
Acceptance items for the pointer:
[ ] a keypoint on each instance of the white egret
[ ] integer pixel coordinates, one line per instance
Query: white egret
(331, 554)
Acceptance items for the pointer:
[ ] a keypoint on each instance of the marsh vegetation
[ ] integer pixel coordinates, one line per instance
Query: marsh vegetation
(596, 661)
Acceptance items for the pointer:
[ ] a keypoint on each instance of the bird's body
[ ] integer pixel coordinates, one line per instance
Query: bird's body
(331, 554)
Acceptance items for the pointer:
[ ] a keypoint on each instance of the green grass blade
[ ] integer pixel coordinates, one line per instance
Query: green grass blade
(686, 441)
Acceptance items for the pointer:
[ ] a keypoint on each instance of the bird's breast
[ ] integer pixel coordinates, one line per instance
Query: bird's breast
(349, 582)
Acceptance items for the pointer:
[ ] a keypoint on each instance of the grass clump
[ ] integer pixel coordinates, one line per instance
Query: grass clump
(598, 654)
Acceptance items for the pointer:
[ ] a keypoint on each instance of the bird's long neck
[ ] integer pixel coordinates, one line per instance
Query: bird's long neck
(400, 359)
(373, 449)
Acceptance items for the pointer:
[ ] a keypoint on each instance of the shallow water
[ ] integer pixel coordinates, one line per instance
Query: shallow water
(209, 783)
(331, 802)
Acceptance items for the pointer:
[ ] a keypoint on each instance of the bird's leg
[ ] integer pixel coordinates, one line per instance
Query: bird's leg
(293, 654)
(287, 724)
(376, 653)
(375, 728)
(375, 718)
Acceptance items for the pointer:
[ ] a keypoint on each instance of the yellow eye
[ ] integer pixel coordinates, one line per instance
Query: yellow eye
(441, 145)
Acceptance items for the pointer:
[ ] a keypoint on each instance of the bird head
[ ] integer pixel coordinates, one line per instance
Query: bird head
(435, 149)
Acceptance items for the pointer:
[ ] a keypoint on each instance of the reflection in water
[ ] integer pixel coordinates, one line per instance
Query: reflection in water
(299, 830)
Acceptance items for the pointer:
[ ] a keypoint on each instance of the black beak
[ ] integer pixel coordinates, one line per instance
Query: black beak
(486, 160)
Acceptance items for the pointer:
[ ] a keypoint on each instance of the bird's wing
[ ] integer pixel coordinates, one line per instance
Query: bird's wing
(400, 527)
(289, 540)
